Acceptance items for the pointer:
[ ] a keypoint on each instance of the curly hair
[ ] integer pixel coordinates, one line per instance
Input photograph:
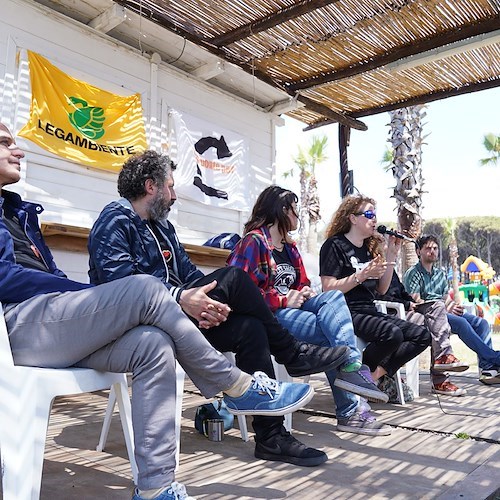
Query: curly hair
(270, 208)
(340, 223)
(137, 169)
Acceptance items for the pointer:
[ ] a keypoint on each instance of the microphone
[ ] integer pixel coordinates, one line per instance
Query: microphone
(383, 230)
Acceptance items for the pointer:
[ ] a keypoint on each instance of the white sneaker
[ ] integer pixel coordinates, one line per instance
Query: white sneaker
(490, 377)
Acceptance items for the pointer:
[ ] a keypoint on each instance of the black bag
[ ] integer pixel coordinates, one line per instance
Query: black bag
(215, 410)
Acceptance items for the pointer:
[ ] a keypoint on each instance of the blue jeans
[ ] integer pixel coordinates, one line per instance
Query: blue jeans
(325, 320)
(475, 333)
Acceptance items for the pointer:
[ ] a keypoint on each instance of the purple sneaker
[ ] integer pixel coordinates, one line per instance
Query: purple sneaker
(363, 422)
(361, 383)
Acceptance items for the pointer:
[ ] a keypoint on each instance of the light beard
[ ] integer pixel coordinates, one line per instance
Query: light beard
(158, 208)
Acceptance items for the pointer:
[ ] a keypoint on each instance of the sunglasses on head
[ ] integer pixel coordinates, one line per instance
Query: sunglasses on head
(369, 214)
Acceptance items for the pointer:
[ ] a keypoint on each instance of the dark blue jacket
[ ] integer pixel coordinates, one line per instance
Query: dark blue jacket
(18, 283)
(121, 244)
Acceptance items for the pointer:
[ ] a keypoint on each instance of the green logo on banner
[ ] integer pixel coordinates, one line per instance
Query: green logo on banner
(87, 119)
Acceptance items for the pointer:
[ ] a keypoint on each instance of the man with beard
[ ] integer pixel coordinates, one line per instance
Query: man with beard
(133, 236)
(54, 322)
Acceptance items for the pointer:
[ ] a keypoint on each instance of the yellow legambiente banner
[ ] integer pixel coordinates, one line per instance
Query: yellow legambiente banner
(80, 122)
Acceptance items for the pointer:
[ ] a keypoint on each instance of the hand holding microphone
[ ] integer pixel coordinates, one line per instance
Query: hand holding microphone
(383, 230)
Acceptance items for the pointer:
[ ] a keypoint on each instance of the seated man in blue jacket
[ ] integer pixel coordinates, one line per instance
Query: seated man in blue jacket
(132, 236)
(130, 325)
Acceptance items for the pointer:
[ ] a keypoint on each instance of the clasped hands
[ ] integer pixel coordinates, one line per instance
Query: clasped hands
(196, 303)
(296, 298)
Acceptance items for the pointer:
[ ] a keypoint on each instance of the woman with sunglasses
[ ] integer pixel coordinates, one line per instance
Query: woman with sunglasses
(352, 261)
(272, 260)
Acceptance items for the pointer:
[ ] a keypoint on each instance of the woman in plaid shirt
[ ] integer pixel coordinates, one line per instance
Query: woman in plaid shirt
(268, 254)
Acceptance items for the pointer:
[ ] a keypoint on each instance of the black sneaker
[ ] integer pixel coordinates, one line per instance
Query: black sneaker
(283, 447)
(312, 358)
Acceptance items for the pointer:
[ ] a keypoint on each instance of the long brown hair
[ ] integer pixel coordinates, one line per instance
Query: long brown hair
(270, 208)
(341, 224)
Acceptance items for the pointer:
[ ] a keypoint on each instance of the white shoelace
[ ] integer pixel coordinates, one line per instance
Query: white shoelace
(179, 490)
(265, 384)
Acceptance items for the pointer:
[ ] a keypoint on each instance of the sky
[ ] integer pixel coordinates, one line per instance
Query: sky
(455, 184)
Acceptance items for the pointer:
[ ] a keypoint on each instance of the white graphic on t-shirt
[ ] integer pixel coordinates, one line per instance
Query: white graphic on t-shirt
(285, 277)
(358, 266)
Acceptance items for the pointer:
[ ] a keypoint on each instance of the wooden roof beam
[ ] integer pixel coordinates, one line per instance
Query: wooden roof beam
(299, 9)
(332, 116)
(441, 40)
(423, 99)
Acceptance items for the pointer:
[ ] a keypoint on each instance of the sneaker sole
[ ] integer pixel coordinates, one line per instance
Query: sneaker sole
(331, 366)
(450, 368)
(279, 411)
(456, 394)
(373, 395)
(490, 380)
(304, 462)
(364, 432)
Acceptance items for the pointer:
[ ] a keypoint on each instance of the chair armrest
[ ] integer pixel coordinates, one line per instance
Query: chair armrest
(383, 305)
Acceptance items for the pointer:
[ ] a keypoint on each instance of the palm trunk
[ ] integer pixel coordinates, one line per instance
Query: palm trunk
(303, 212)
(406, 138)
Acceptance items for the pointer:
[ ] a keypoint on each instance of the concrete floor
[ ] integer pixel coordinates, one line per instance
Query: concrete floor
(423, 458)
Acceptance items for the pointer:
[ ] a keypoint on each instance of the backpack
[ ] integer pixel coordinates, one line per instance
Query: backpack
(223, 240)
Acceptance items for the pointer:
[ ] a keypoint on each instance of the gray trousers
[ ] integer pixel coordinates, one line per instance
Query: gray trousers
(434, 317)
(129, 325)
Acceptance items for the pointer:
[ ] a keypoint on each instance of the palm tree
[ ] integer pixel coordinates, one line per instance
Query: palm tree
(491, 143)
(406, 165)
(309, 215)
(450, 233)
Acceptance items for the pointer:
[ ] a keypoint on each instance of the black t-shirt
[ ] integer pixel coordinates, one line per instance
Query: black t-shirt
(340, 258)
(285, 273)
(168, 254)
(27, 255)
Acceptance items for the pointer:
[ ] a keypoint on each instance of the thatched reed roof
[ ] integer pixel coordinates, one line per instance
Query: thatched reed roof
(339, 60)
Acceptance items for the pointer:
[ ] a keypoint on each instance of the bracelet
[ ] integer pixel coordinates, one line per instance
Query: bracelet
(356, 279)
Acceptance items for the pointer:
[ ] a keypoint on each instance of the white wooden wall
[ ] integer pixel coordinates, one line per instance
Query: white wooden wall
(72, 194)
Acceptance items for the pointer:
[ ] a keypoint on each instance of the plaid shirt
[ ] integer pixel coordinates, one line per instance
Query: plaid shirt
(430, 286)
(254, 254)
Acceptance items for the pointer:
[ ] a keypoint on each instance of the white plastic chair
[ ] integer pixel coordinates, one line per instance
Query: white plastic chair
(180, 375)
(26, 396)
(412, 367)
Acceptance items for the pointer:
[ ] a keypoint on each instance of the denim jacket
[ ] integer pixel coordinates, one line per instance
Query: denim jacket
(18, 283)
(121, 244)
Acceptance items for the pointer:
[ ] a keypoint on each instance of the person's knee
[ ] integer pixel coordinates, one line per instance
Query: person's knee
(333, 297)
(236, 274)
(153, 347)
(393, 335)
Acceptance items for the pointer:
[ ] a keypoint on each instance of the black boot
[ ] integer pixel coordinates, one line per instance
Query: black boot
(310, 358)
(283, 447)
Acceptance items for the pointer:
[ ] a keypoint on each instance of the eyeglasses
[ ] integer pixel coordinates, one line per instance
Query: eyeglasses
(369, 214)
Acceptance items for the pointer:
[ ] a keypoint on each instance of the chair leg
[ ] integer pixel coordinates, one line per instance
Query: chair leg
(22, 449)
(242, 421)
(412, 376)
(242, 424)
(399, 387)
(125, 409)
(180, 376)
(283, 376)
(107, 420)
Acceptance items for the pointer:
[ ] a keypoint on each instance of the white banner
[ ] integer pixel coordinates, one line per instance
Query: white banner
(211, 163)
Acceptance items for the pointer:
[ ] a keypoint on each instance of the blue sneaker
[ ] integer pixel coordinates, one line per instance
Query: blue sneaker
(267, 396)
(176, 491)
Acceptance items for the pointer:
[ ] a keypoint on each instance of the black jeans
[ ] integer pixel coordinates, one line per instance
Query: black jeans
(251, 332)
(392, 341)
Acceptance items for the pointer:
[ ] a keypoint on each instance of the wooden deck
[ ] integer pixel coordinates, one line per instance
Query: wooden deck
(426, 456)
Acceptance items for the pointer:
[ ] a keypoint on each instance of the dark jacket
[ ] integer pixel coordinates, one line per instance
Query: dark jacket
(121, 244)
(397, 292)
(18, 283)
